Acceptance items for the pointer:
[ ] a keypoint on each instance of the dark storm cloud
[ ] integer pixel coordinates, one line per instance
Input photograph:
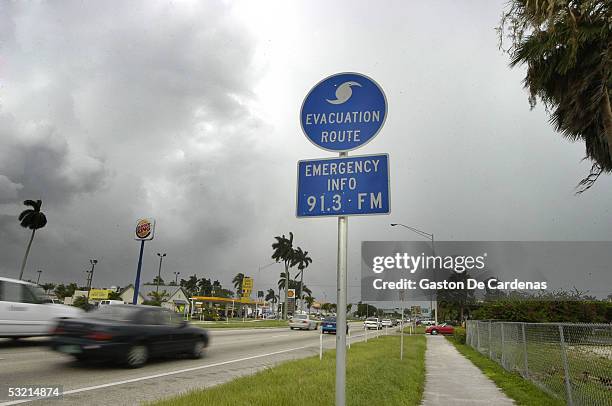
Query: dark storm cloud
(37, 161)
(112, 113)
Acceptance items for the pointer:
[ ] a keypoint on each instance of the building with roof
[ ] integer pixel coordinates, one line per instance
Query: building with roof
(177, 299)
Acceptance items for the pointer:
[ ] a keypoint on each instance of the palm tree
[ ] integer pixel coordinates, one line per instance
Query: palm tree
(302, 260)
(190, 285)
(158, 297)
(114, 296)
(282, 281)
(33, 219)
(270, 296)
(309, 302)
(283, 252)
(237, 281)
(47, 286)
(566, 48)
(293, 284)
(216, 288)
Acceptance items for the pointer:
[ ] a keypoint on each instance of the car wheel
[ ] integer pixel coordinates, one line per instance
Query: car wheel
(80, 357)
(137, 356)
(434, 332)
(197, 350)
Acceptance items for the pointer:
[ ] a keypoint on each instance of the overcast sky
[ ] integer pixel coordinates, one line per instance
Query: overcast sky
(189, 112)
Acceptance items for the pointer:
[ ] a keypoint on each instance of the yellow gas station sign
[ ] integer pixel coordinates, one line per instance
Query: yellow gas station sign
(247, 286)
(99, 294)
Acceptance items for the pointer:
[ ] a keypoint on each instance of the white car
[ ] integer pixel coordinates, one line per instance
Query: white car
(303, 322)
(386, 323)
(26, 312)
(110, 302)
(372, 323)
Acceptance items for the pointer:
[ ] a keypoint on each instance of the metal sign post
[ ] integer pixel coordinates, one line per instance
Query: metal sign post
(137, 281)
(341, 311)
(341, 113)
(145, 230)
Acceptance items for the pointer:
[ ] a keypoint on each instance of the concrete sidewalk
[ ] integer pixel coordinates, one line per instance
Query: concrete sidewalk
(451, 379)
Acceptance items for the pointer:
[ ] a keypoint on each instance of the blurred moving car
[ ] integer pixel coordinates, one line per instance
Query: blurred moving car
(25, 310)
(440, 329)
(386, 323)
(372, 323)
(130, 334)
(303, 322)
(328, 325)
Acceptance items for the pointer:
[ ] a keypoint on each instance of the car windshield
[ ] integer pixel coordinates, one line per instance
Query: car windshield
(300, 316)
(371, 319)
(114, 313)
(330, 319)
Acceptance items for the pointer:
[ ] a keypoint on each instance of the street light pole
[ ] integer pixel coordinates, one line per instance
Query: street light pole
(93, 263)
(38, 279)
(429, 236)
(161, 257)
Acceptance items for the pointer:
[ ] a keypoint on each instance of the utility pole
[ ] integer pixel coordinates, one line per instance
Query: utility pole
(38, 279)
(161, 257)
(90, 273)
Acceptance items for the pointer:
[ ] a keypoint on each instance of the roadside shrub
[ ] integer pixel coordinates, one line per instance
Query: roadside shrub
(81, 302)
(545, 311)
(459, 335)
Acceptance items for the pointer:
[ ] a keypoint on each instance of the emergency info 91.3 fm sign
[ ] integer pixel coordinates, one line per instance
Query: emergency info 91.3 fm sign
(355, 185)
(341, 113)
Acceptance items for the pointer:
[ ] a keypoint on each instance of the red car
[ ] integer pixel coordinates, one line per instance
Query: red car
(440, 329)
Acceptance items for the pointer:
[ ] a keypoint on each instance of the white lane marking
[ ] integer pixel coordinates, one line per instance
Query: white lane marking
(143, 378)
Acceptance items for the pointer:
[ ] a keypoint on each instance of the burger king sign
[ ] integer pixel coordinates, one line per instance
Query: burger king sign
(145, 229)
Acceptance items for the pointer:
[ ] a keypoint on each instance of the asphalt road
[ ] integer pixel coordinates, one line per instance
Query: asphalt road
(232, 353)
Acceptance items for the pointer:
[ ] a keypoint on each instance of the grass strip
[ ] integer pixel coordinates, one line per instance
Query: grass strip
(414, 330)
(513, 385)
(375, 376)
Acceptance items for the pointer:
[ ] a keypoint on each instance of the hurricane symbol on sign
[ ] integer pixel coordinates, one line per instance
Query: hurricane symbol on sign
(343, 93)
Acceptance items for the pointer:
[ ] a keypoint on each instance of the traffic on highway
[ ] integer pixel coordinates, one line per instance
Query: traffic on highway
(84, 353)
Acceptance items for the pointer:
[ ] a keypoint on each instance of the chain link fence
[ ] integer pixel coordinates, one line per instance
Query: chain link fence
(572, 362)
